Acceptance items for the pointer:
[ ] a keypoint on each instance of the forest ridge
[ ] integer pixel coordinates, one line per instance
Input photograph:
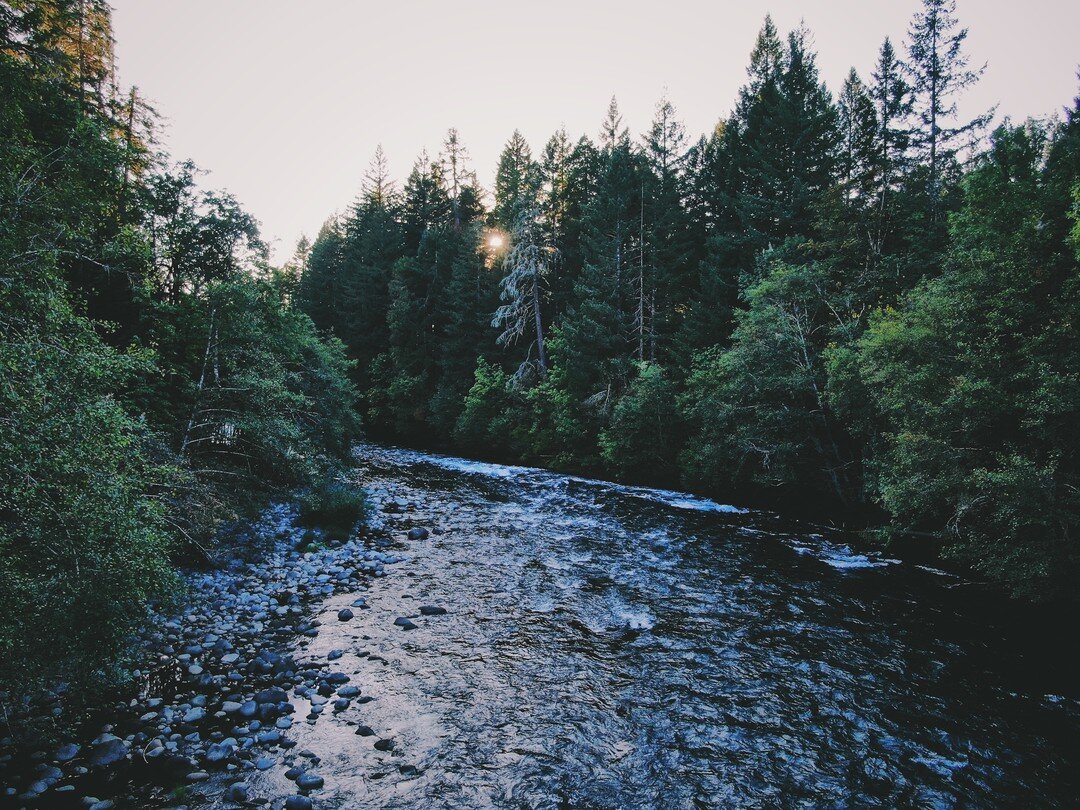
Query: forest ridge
(860, 301)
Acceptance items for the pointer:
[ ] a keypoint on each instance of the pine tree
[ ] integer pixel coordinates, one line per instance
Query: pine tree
(783, 145)
(664, 268)
(527, 266)
(859, 132)
(372, 241)
(461, 179)
(939, 71)
(612, 132)
(893, 103)
(515, 182)
(426, 202)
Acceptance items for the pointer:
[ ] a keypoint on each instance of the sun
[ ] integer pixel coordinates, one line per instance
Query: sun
(496, 241)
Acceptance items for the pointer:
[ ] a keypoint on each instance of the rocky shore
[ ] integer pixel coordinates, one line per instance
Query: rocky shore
(224, 682)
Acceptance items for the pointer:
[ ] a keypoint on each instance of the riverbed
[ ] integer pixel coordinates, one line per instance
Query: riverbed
(511, 637)
(609, 646)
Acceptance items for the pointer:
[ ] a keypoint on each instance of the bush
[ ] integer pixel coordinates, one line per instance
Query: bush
(333, 505)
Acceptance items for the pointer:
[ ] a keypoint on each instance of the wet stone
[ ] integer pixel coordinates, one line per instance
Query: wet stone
(309, 781)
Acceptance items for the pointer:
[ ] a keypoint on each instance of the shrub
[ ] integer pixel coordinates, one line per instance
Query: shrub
(333, 505)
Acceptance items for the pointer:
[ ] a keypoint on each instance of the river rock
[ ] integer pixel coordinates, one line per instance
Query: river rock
(344, 615)
(418, 534)
(107, 751)
(298, 803)
(309, 781)
(334, 655)
(384, 745)
(219, 752)
(365, 731)
(275, 694)
(67, 752)
(432, 610)
(238, 793)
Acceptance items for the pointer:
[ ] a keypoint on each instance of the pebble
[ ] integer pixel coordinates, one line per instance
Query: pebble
(309, 781)
(432, 610)
(238, 793)
(220, 651)
(106, 752)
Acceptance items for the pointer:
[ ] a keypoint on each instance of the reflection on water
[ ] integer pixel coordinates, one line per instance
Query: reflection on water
(610, 646)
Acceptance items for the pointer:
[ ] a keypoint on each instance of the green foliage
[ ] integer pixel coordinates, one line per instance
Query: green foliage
(84, 535)
(759, 408)
(153, 372)
(644, 435)
(975, 381)
(333, 504)
(485, 425)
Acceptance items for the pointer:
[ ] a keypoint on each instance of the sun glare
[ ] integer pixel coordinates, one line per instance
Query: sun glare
(496, 241)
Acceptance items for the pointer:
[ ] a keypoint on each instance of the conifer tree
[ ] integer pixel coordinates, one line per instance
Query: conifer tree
(859, 132)
(515, 182)
(527, 266)
(939, 73)
(663, 282)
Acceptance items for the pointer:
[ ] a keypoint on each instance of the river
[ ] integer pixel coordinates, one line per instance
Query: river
(609, 646)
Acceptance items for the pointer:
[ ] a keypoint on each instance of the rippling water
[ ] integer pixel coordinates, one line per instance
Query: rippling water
(609, 646)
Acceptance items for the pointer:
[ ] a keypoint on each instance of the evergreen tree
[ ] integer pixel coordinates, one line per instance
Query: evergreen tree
(783, 142)
(516, 181)
(859, 133)
(425, 202)
(527, 266)
(939, 72)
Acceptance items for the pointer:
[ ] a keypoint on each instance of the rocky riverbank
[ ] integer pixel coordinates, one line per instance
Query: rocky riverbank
(220, 692)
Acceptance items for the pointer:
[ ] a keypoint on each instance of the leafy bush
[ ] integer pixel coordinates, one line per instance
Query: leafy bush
(334, 505)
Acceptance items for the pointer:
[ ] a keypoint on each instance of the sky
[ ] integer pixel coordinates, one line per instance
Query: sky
(284, 102)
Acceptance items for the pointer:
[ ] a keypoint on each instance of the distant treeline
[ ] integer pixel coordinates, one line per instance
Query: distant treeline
(154, 375)
(858, 300)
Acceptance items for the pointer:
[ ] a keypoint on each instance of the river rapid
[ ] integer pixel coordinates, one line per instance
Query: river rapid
(609, 646)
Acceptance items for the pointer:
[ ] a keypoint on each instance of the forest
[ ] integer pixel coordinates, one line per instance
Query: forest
(857, 301)
(156, 379)
(859, 304)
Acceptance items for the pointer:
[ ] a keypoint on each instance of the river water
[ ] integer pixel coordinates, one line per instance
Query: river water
(608, 646)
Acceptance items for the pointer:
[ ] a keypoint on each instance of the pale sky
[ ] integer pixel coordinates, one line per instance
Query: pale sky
(284, 101)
